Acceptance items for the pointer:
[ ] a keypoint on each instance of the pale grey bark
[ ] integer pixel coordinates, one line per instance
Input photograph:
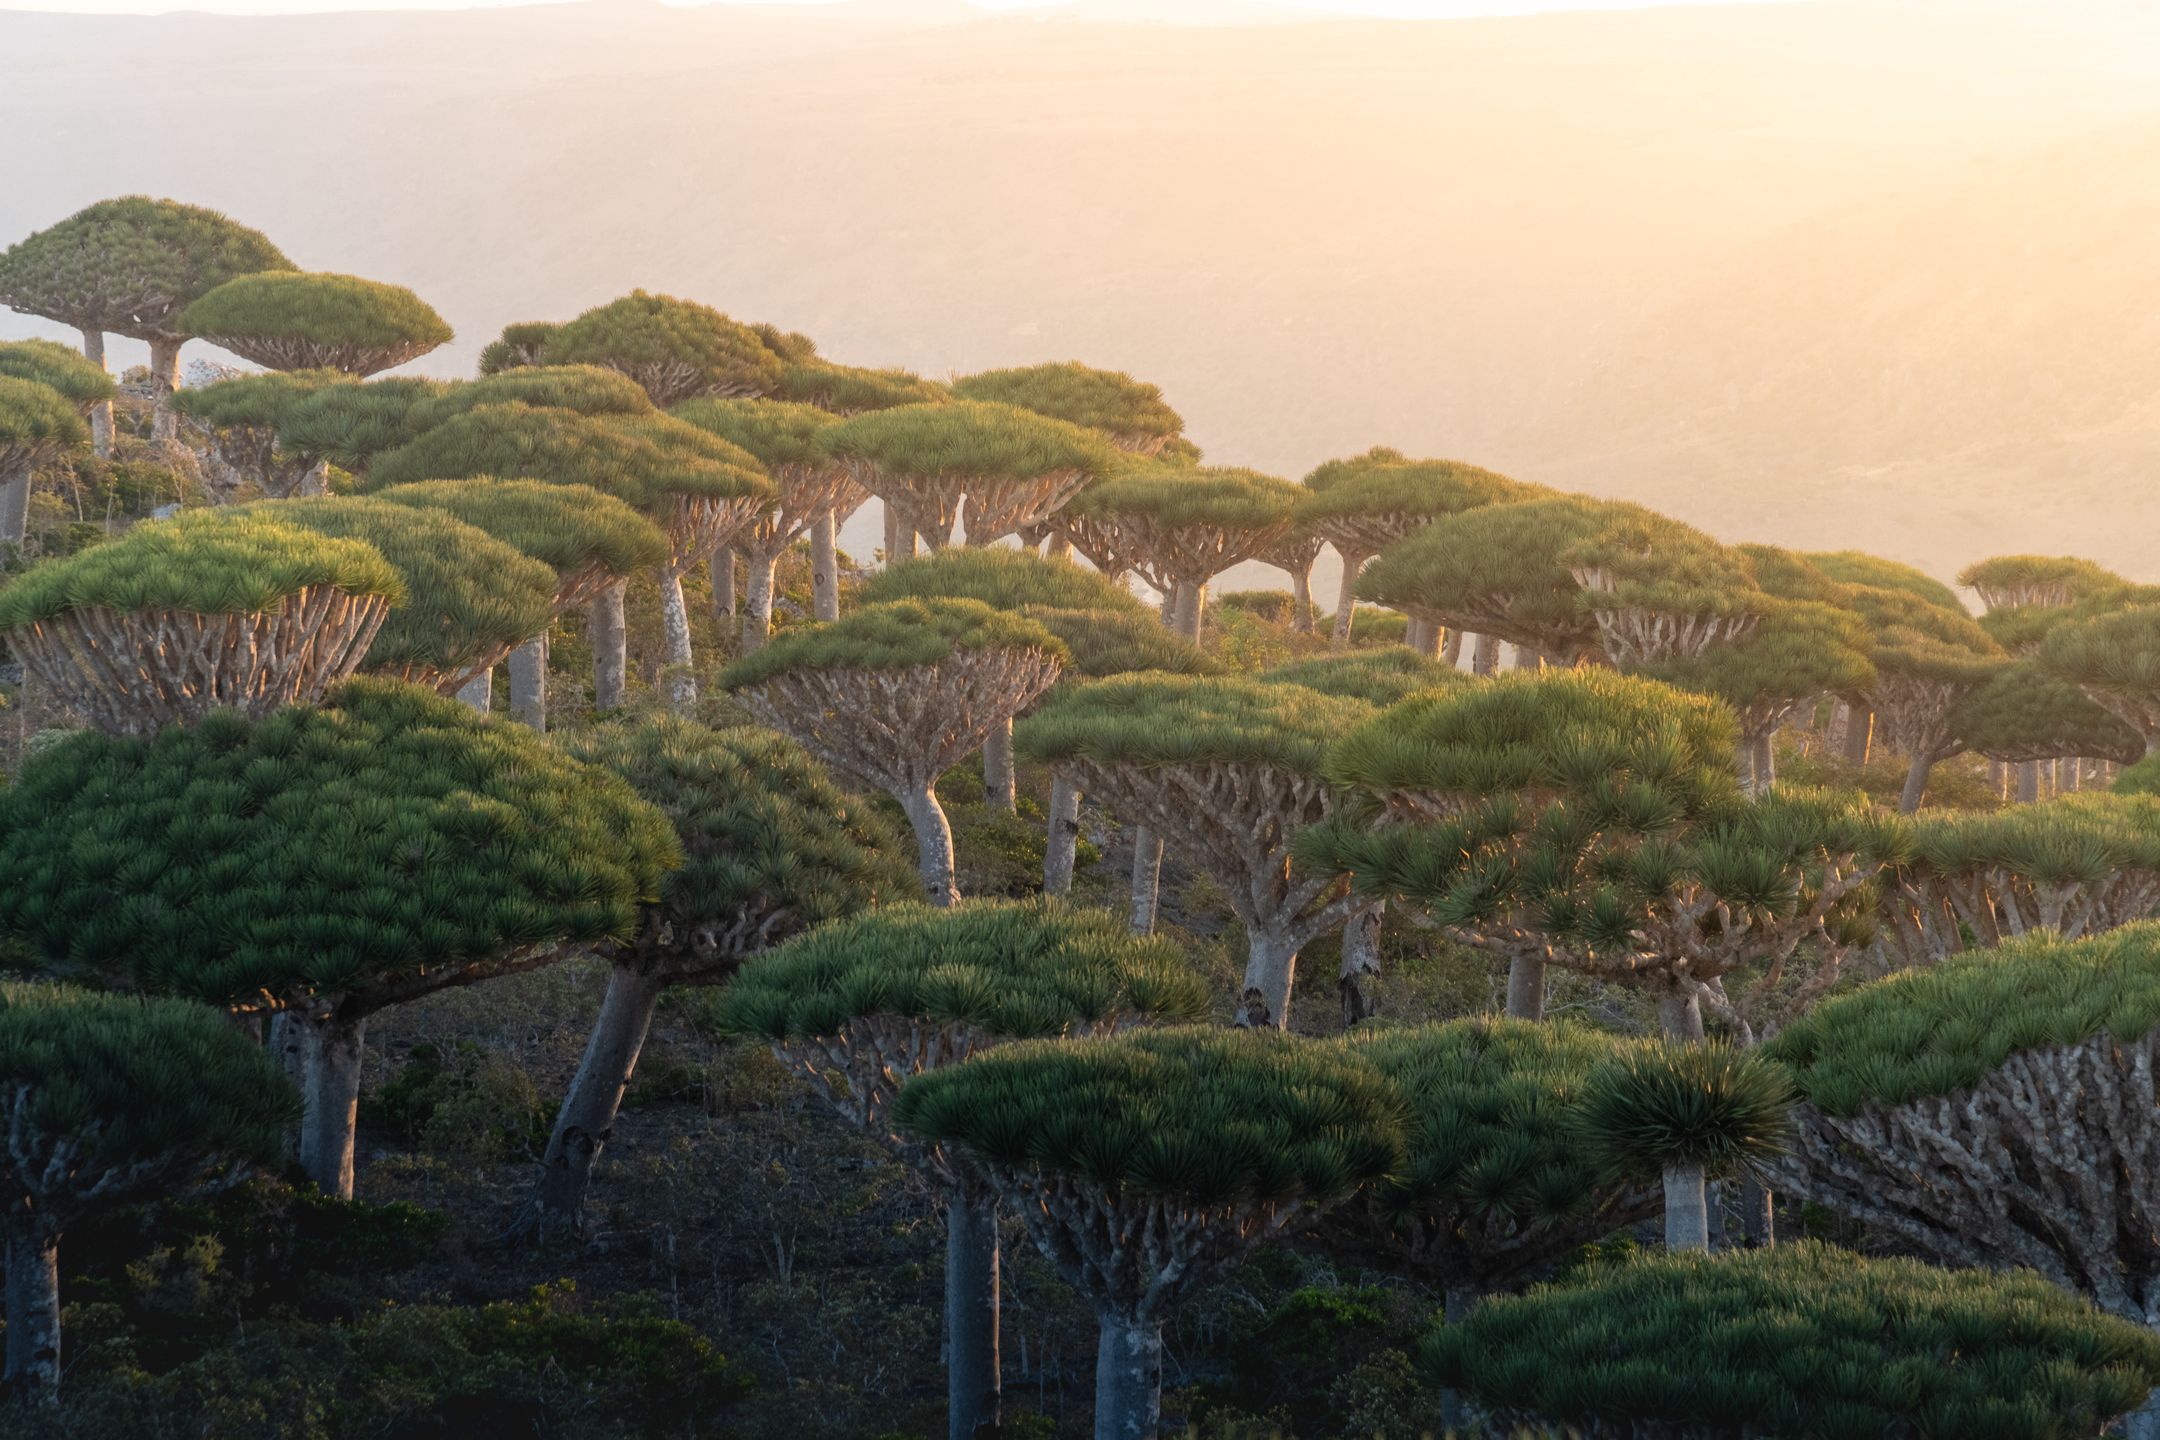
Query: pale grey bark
(529, 682)
(1485, 655)
(825, 568)
(1687, 1210)
(1758, 1215)
(2028, 782)
(1359, 975)
(479, 692)
(331, 1101)
(1859, 732)
(609, 646)
(758, 601)
(556, 1204)
(1765, 764)
(1188, 607)
(1451, 648)
(1000, 791)
(1270, 971)
(1916, 783)
(720, 569)
(15, 505)
(164, 383)
(1454, 1415)
(1423, 636)
(1301, 601)
(1057, 546)
(1346, 601)
(899, 536)
(101, 414)
(1061, 847)
(33, 1308)
(316, 482)
(974, 1372)
(1526, 987)
(675, 626)
(1128, 1378)
(1146, 878)
(1680, 1013)
(933, 846)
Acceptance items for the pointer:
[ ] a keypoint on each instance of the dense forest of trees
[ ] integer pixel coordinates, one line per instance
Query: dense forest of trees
(1746, 962)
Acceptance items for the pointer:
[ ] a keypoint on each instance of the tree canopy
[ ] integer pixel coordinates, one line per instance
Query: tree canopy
(1132, 412)
(775, 432)
(574, 529)
(131, 265)
(897, 635)
(850, 390)
(35, 422)
(1379, 676)
(1004, 579)
(350, 424)
(967, 439)
(674, 348)
(587, 389)
(1149, 720)
(302, 320)
(83, 382)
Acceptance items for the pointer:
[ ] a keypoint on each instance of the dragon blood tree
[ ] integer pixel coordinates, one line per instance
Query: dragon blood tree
(1010, 468)
(2043, 582)
(2115, 660)
(1295, 555)
(2026, 717)
(1182, 525)
(350, 424)
(470, 599)
(899, 693)
(676, 349)
(1149, 1166)
(1996, 1111)
(1800, 1340)
(243, 419)
(770, 848)
(84, 385)
(301, 320)
(1225, 771)
(322, 863)
(1366, 503)
(129, 267)
(695, 486)
(1927, 661)
(203, 612)
(846, 390)
(518, 346)
(589, 540)
(859, 1006)
(1018, 581)
(587, 389)
(1132, 413)
(37, 425)
(1591, 820)
(815, 490)
(113, 1100)
(2074, 867)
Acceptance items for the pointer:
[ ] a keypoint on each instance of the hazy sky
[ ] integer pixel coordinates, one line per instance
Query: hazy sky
(1166, 9)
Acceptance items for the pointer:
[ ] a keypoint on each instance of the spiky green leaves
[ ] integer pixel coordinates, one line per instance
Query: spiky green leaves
(1800, 1340)
(1171, 497)
(133, 1080)
(255, 401)
(771, 846)
(519, 345)
(1117, 642)
(36, 421)
(1917, 638)
(587, 389)
(48, 362)
(203, 562)
(2025, 713)
(898, 635)
(1005, 579)
(774, 431)
(1385, 482)
(970, 438)
(570, 528)
(2071, 840)
(390, 838)
(350, 425)
(1942, 1030)
(2115, 659)
(1497, 569)
(1012, 969)
(1131, 411)
(1707, 1106)
(1797, 651)
(130, 265)
(1148, 720)
(848, 390)
(1378, 676)
(298, 320)
(2021, 581)
(1857, 567)
(1209, 1117)
(675, 349)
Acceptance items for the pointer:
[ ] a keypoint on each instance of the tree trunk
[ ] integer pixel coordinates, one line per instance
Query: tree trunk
(1301, 606)
(164, 381)
(479, 692)
(1424, 637)
(1128, 1378)
(757, 602)
(1056, 546)
(1454, 1415)
(974, 1374)
(1360, 972)
(610, 657)
(1687, 1208)
(101, 414)
(1765, 765)
(1744, 764)
(1146, 878)
(899, 537)
(1758, 1215)
(1679, 1014)
(1526, 987)
(1859, 733)
(1346, 602)
(675, 625)
(556, 1204)
(721, 570)
(825, 568)
(1270, 970)
(1529, 659)
(15, 505)
(316, 483)
(1061, 847)
(33, 1308)
(1916, 782)
(2028, 782)
(528, 682)
(1451, 649)
(933, 846)
(1188, 603)
(1485, 656)
(331, 1092)
(1000, 791)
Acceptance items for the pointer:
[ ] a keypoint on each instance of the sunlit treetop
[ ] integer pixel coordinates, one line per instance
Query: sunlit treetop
(468, 596)
(1119, 642)
(2016, 581)
(850, 390)
(1003, 578)
(674, 348)
(1497, 569)
(1380, 675)
(774, 432)
(1189, 720)
(298, 320)
(587, 389)
(2115, 659)
(1797, 651)
(350, 424)
(130, 265)
(569, 528)
(35, 420)
(517, 347)
(267, 400)
(1173, 496)
(680, 440)
(897, 635)
(1384, 482)
(969, 438)
(1857, 567)
(1640, 559)
(790, 345)
(2026, 713)
(1016, 969)
(1788, 575)
(2083, 839)
(48, 362)
(1131, 411)
(205, 562)
(1916, 638)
